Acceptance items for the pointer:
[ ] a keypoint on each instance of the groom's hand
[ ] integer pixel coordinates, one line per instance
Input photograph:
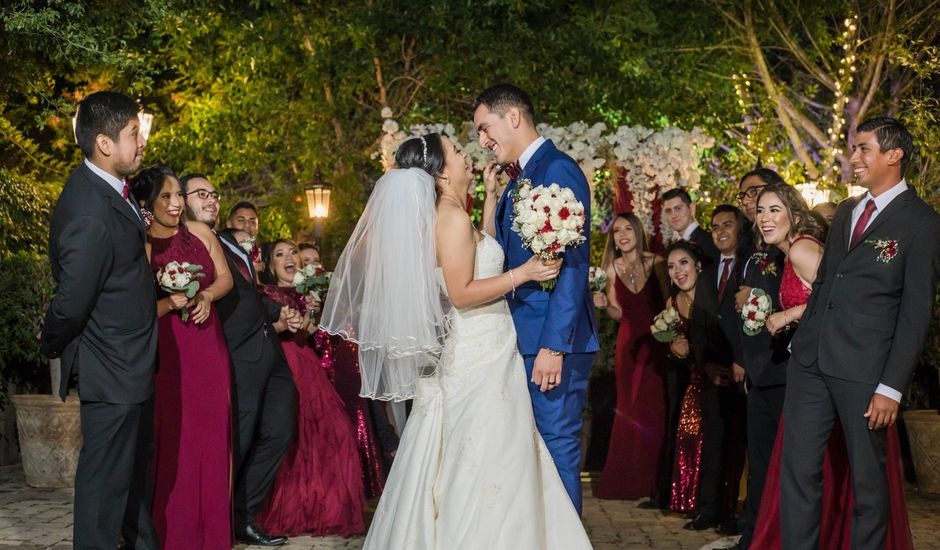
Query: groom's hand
(882, 412)
(546, 373)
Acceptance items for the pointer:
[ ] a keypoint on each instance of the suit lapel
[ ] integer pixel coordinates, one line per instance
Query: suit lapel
(847, 224)
(115, 200)
(898, 203)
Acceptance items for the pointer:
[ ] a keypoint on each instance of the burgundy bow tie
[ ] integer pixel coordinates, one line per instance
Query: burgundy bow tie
(514, 170)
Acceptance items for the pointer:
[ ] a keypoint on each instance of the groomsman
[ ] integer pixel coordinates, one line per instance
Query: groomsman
(679, 213)
(763, 357)
(860, 338)
(102, 322)
(264, 396)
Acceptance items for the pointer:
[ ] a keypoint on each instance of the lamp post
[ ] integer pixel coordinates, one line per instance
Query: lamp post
(318, 202)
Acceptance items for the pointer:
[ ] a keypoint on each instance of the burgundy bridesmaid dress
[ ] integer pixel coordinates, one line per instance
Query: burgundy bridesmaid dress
(687, 466)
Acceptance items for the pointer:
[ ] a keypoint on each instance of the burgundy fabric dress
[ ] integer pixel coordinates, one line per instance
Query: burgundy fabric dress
(318, 488)
(636, 438)
(192, 412)
(838, 498)
(687, 467)
(341, 358)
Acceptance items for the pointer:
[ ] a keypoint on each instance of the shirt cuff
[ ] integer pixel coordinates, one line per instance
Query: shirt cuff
(888, 391)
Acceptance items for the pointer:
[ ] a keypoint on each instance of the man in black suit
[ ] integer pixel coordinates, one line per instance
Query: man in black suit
(679, 213)
(264, 396)
(860, 338)
(713, 341)
(102, 322)
(763, 357)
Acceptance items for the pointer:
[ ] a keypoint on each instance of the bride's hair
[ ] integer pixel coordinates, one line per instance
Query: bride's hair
(425, 152)
(148, 183)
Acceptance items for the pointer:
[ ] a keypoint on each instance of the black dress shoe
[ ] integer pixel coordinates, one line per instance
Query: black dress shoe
(729, 529)
(253, 535)
(700, 524)
(648, 505)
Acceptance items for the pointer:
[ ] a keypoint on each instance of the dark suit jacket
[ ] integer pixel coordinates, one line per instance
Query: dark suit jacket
(867, 319)
(103, 318)
(713, 327)
(246, 316)
(764, 357)
(705, 242)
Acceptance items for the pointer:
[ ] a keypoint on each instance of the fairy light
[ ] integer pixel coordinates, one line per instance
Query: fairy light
(843, 84)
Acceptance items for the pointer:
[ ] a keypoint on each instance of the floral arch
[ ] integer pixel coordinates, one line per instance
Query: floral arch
(641, 163)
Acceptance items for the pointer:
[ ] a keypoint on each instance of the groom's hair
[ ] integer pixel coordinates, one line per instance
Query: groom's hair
(102, 113)
(891, 134)
(501, 97)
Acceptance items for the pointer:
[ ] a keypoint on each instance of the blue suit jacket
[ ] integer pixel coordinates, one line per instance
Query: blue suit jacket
(562, 319)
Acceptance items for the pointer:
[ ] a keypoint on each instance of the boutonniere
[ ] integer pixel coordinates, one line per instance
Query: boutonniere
(764, 264)
(888, 248)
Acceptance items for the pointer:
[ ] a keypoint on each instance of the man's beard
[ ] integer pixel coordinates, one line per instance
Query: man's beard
(201, 216)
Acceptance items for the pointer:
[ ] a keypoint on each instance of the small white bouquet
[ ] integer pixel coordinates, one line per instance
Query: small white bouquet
(312, 280)
(665, 327)
(598, 279)
(180, 277)
(755, 311)
(548, 219)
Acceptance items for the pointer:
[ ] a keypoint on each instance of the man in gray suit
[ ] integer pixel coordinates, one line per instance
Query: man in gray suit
(860, 338)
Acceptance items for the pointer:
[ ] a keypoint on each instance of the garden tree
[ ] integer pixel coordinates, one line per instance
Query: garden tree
(815, 70)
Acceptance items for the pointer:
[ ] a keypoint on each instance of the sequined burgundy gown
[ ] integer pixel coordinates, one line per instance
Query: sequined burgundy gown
(630, 472)
(192, 412)
(838, 498)
(318, 489)
(689, 437)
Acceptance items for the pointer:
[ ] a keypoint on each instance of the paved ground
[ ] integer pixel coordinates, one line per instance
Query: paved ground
(35, 519)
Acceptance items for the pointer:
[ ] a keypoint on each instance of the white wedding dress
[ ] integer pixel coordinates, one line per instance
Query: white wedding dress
(472, 471)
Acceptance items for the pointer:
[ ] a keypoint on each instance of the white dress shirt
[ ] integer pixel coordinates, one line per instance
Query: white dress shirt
(530, 151)
(881, 202)
(114, 182)
(721, 266)
(687, 234)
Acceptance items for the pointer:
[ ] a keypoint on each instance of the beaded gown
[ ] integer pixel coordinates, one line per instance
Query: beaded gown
(689, 437)
(318, 488)
(192, 441)
(636, 438)
(838, 499)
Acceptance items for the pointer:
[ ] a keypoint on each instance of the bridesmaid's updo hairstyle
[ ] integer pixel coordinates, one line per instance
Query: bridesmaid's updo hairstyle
(148, 183)
(425, 152)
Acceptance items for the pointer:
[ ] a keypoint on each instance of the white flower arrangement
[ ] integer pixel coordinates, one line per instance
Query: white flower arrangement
(665, 327)
(597, 279)
(177, 277)
(755, 311)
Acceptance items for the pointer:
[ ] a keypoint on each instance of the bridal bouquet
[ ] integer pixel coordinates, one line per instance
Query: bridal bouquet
(180, 277)
(597, 278)
(755, 311)
(313, 280)
(665, 327)
(549, 219)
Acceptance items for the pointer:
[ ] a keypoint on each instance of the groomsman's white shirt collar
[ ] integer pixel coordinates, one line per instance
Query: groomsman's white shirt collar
(526, 155)
(687, 234)
(881, 202)
(115, 183)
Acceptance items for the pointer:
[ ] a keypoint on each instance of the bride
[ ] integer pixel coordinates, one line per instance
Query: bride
(421, 292)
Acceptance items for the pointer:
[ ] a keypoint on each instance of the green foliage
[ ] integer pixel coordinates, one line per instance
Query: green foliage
(26, 289)
(25, 208)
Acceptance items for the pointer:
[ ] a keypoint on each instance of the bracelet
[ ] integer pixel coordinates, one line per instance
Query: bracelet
(512, 279)
(554, 352)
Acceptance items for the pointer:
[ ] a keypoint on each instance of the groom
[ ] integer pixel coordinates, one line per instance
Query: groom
(556, 330)
(860, 338)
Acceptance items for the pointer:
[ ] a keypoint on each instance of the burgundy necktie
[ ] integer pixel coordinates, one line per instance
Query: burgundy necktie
(862, 222)
(725, 275)
(514, 170)
(126, 191)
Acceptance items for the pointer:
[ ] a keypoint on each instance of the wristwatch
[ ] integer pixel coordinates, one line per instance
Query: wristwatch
(555, 352)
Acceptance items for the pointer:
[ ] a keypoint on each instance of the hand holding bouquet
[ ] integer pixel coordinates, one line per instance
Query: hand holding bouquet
(180, 277)
(312, 280)
(665, 327)
(756, 310)
(548, 219)
(598, 279)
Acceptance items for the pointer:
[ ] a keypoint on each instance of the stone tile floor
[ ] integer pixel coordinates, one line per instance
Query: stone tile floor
(38, 519)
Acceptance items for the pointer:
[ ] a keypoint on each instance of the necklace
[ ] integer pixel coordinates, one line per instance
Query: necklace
(688, 304)
(453, 200)
(633, 272)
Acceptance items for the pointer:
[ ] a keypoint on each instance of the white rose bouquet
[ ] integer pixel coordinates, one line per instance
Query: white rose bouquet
(180, 277)
(598, 279)
(312, 280)
(755, 311)
(665, 327)
(549, 220)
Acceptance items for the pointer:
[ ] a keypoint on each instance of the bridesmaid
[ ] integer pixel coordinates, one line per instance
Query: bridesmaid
(318, 489)
(192, 401)
(633, 298)
(684, 262)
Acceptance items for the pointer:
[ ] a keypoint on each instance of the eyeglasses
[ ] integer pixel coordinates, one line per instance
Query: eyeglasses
(204, 195)
(751, 192)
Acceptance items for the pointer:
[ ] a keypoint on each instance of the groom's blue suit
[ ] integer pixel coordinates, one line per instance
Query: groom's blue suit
(561, 320)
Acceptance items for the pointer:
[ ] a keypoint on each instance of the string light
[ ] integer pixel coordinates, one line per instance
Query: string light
(843, 82)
